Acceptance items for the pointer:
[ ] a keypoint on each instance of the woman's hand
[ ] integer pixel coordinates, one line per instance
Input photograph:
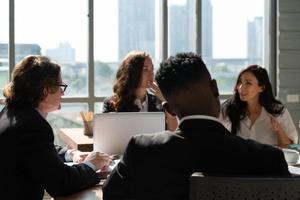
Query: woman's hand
(156, 91)
(171, 119)
(275, 124)
(282, 138)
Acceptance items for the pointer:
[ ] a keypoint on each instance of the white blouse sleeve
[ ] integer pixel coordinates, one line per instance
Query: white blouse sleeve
(286, 122)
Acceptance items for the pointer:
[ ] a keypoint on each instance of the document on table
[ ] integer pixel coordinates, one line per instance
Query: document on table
(294, 169)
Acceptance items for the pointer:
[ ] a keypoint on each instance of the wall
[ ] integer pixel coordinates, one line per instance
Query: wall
(288, 71)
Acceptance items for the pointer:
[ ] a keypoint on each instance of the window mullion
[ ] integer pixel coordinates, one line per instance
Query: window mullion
(198, 35)
(163, 25)
(11, 40)
(91, 91)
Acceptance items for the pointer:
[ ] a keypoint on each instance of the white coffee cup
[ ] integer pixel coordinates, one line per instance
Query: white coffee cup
(291, 156)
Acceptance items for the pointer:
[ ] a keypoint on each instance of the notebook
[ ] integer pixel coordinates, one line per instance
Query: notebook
(112, 131)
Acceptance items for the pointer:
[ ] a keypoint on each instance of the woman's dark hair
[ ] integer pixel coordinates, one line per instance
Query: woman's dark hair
(127, 80)
(30, 77)
(235, 109)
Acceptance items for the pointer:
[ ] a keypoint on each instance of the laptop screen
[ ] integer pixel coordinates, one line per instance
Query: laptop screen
(112, 131)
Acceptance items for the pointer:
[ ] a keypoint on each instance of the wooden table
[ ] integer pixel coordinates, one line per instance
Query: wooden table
(75, 139)
(93, 193)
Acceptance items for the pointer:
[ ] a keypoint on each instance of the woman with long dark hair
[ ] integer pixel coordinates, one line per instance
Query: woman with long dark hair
(253, 112)
(134, 80)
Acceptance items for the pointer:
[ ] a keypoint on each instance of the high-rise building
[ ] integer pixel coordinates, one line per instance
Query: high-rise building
(136, 26)
(255, 40)
(63, 54)
(21, 50)
(182, 28)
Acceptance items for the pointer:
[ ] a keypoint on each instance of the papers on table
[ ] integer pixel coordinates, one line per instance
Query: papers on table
(294, 170)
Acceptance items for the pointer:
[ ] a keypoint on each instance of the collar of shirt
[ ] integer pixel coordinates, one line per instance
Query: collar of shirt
(40, 113)
(199, 117)
(142, 106)
(262, 117)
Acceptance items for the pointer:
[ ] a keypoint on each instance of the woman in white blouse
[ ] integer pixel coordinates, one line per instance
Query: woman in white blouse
(254, 113)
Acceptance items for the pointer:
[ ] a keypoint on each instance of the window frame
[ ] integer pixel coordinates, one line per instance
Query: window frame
(270, 52)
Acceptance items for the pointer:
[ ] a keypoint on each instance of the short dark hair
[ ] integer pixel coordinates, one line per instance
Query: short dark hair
(179, 72)
(30, 77)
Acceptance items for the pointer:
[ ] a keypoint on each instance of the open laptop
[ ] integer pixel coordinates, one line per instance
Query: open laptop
(112, 131)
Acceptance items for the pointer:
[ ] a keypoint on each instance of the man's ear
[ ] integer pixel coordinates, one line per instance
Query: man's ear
(45, 93)
(167, 108)
(214, 88)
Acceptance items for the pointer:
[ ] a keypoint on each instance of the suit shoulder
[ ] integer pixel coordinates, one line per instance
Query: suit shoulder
(263, 149)
(155, 138)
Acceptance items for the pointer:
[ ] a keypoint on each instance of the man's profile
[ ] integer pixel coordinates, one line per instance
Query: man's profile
(31, 163)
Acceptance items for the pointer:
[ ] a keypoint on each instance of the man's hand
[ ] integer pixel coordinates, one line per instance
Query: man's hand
(99, 160)
(79, 156)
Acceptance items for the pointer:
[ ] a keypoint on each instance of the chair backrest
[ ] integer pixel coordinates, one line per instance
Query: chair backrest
(239, 188)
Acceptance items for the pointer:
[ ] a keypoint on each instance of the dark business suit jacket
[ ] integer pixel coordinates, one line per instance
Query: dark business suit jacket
(30, 162)
(154, 105)
(158, 166)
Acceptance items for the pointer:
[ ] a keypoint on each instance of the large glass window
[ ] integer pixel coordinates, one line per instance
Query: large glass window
(106, 45)
(181, 26)
(120, 27)
(98, 107)
(233, 37)
(67, 117)
(4, 76)
(57, 29)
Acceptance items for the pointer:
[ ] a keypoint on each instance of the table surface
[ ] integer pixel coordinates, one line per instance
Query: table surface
(93, 193)
(75, 139)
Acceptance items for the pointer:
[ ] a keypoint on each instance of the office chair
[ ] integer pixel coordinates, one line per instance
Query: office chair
(243, 188)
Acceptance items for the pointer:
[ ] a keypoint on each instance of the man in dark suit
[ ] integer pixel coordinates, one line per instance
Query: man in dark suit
(30, 161)
(158, 166)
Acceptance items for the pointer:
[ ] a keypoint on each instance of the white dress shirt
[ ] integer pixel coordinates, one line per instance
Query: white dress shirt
(143, 106)
(262, 131)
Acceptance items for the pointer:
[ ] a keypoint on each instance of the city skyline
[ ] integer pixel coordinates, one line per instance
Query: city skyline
(48, 35)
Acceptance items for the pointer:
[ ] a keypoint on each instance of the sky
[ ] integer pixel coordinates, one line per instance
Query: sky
(230, 27)
(48, 20)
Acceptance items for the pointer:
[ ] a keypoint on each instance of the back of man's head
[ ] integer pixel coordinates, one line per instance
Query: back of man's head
(180, 71)
(185, 80)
